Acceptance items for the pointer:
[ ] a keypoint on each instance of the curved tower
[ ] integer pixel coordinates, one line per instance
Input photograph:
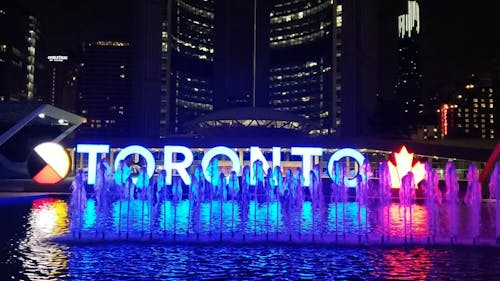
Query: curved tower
(188, 54)
(323, 62)
(301, 60)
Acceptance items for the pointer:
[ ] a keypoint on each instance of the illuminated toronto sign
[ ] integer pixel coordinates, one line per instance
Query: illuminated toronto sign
(172, 153)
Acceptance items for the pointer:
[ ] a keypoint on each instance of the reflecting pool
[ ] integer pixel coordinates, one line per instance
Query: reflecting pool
(32, 251)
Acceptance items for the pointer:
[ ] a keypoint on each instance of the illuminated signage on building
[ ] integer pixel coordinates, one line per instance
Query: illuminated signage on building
(174, 152)
(410, 21)
(57, 58)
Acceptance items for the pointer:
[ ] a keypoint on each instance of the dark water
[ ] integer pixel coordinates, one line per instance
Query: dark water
(30, 253)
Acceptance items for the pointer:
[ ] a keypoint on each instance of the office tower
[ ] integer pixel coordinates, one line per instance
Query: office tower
(62, 81)
(495, 79)
(147, 114)
(314, 59)
(302, 52)
(188, 38)
(104, 97)
(471, 114)
(322, 62)
(21, 65)
(408, 87)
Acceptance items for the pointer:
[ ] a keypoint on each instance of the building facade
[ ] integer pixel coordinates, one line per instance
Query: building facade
(408, 86)
(188, 36)
(104, 89)
(471, 113)
(323, 63)
(301, 80)
(22, 71)
(316, 59)
(62, 81)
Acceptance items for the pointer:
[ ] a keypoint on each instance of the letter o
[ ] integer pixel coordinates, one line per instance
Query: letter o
(342, 153)
(220, 150)
(137, 149)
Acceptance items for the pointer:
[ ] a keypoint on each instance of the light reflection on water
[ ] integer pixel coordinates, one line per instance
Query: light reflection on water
(348, 219)
(42, 259)
(39, 258)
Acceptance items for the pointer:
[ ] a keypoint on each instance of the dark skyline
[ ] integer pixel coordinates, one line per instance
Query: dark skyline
(457, 38)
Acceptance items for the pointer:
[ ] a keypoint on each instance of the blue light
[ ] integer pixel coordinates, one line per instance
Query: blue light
(92, 150)
(307, 159)
(137, 149)
(181, 167)
(342, 153)
(256, 154)
(220, 150)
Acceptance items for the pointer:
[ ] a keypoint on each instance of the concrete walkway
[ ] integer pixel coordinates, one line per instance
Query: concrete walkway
(28, 185)
(28, 194)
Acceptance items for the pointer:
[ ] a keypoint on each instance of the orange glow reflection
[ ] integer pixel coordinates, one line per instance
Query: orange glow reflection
(49, 217)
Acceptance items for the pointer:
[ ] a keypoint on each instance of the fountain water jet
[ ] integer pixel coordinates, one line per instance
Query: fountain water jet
(494, 187)
(406, 199)
(452, 198)
(362, 188)
(278, 182)
(277, 205)
(385, 197)
(473, 199)
(78, 201)
(433, 199)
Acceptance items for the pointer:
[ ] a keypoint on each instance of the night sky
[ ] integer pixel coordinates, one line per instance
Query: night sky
(458, 37)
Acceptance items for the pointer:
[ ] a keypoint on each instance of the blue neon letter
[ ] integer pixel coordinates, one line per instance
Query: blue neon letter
(307, 155)
(92, 150)
(181, 167)
(137, 149)
(220, 150)
(346, 152)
